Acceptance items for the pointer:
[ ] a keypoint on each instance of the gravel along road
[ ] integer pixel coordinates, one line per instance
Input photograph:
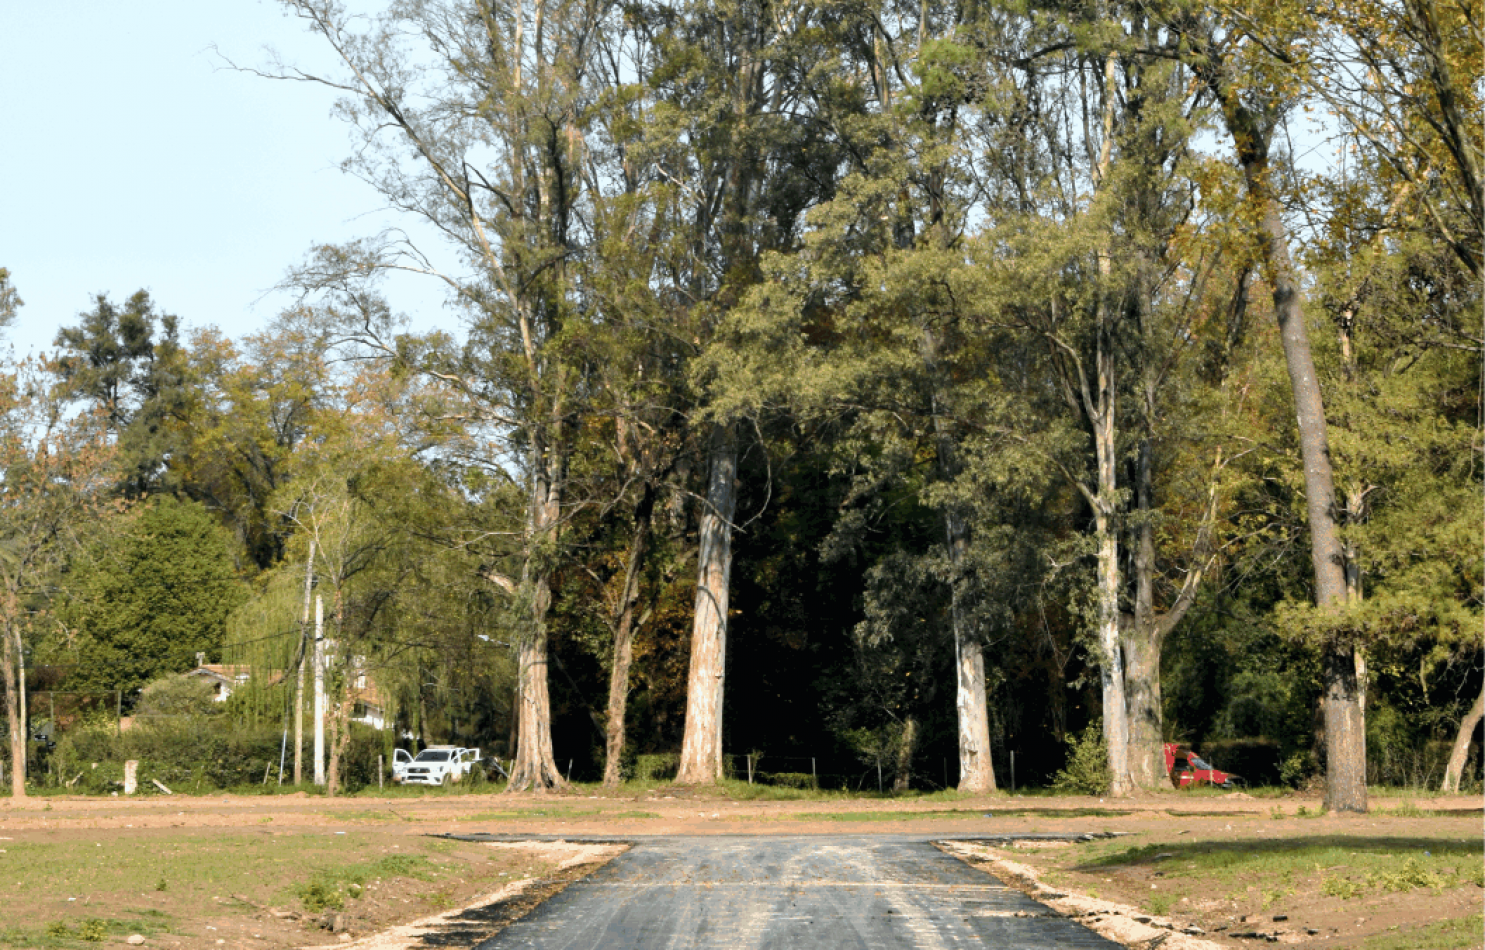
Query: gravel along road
(796, 892)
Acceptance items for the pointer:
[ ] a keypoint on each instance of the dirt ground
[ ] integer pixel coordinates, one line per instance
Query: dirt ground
(208, 909)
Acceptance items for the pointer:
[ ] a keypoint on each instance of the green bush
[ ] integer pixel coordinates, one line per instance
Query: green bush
(1087, 769)
(788, 779)
(656, 766)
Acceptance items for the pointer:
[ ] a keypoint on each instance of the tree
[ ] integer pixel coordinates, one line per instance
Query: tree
(492, 156)
(10, 301)
(150, 597)
(1254, 97)
(57, 469)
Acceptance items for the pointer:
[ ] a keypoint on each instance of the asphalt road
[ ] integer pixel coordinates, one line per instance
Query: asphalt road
(805, 892)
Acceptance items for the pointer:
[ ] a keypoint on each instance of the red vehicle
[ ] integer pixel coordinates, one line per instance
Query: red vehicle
(1187, 770)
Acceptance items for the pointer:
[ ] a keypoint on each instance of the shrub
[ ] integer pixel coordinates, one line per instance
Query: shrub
(1087, 769)
(656, 766)
(788, 779)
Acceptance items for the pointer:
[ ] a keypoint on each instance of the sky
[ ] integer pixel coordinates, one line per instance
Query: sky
(133, 156)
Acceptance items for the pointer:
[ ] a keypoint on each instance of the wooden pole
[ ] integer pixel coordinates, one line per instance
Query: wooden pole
(814, 779)
(750, 768)
(379, 763)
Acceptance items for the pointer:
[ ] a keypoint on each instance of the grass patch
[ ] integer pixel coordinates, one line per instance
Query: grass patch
(558, 812)
(956, 814)
(1340, 867)
(331, 887)
(86, 931)
(1462, 933)
(179, 874)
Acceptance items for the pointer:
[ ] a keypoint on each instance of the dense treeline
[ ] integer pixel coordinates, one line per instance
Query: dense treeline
(892, 386)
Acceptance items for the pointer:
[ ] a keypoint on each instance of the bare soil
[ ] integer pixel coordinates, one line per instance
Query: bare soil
(266, 915)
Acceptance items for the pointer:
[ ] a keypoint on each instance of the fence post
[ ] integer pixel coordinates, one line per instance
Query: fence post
(1013, 770)
(118, 709)
(750, 768)
(879, 775)
(814, 779)
(379, 760)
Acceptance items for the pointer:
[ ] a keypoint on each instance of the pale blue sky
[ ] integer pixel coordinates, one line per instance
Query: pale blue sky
(131, 157)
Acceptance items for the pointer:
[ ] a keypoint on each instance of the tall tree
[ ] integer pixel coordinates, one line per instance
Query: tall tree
(485, 140)
(58, 468)
(1254, 97)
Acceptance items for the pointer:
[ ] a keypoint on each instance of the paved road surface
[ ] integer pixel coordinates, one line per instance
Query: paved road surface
(791, 893)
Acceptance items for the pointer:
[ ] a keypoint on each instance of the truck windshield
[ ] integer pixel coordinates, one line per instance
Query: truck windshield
(1198, 763)
(433, 755)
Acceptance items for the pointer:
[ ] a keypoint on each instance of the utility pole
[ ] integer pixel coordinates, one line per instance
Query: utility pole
(319, 691)
(309, 583)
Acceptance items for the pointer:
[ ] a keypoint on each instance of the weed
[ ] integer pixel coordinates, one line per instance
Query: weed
(1454, 934)
(319, 895)
(1274, 896)
(1160, 904)
(58, 928)
(162, 885)
(1405, 810)
(1276, 813)
(93, 931)
(1342, 887)
(1410, 876)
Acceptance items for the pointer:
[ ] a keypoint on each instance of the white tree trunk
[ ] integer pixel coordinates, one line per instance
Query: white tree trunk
(309, 583)
(319, 664)
(1454, 772)
(976, 771)
(701, 748)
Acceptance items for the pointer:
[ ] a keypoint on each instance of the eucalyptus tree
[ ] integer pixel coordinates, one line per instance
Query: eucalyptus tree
(1230, 55)
(474, 116)
(729, 133)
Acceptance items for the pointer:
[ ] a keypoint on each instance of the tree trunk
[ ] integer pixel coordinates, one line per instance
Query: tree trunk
(976, 770)
(319, 678)
(1454, 772)
(618, 682)
(9, 667)
(340, 738)
(1345, 739)
(535, 765)
(1111, 663)
(903, 779)
(309, 583)
(701, 748)
(1142, 652)
(1345, 736)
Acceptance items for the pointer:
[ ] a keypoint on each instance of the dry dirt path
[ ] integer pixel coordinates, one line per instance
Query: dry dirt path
(803, 892)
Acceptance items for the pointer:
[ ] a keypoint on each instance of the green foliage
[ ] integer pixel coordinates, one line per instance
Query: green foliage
(147, 600)
(179, 695)
(656, 766)
(1087, 768)
(10, 301)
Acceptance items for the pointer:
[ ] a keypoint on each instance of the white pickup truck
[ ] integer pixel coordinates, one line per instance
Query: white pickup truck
(435, 765)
